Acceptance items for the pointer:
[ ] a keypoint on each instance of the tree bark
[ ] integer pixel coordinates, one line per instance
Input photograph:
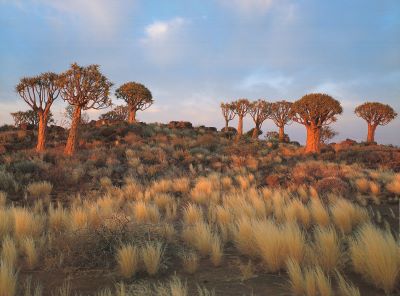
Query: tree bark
(371, 133)
(282, 134)
(226, 125)
(132, 115)
(73, 132)
(240, 128)
(313, 139)
(255, 132)
(42, 128)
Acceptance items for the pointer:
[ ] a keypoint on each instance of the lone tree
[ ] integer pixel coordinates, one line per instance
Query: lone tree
(327, 133)
(241, 108)
(280, 114)
(315, 111)
(119, 113)
(84, 88)
(375, 114)
(259, 110)
(228, 114)
(39, 93)
(137, 96)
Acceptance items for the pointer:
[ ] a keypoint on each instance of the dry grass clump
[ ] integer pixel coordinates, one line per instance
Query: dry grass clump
(318, 212)
(152, 254)
(78, 219)
(327, 250)
(128, 260)
(8, 280)
(217, 251)
(6, 223)
(375, 255)
(58, 218)
(26, 223)
(192, 214)
(311, 281)
(9, 252)
(200, 237)
(296, 211)
(40, 190)
(190, 262)
(276, 244)
(3, 198)
(146, 213)
(30, 251)
(362, 185)
(394, 185)
(204, 190)
(346, 215)
(181, 185)
(243, 237)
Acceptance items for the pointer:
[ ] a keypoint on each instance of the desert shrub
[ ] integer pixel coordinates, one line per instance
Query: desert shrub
(152, 254)
(332, 185)
(7, 182)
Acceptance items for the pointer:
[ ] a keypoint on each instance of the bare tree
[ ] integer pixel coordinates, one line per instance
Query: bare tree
(228, 114)
(39, 93)
(241, 108)
(84, 88)
(280, 114)
(375, 114)
(315, 111)
(259, 110)
(137, 96)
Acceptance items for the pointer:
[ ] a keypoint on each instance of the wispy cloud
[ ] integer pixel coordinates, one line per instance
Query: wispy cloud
(249, 7)
(163, 40)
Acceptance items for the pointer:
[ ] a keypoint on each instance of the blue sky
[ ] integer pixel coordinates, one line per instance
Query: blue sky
(194, 54)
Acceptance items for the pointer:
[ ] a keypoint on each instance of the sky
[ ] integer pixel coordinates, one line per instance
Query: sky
(195, 54)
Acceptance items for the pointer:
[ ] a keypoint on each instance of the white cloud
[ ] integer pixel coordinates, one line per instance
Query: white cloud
(164, 40)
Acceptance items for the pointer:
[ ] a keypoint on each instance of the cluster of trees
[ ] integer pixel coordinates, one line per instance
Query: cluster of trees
(315, 111)
(83, 88)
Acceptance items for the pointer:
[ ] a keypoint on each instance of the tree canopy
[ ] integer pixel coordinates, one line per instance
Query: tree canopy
(375, 113)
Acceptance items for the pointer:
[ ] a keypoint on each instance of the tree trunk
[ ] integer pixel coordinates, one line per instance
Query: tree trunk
(313, 139)
(132, 115)
(255, 132)
(371, 133)
(73, 132)
(282, 134)
(240, 126)
(226, 125)
(41, 140)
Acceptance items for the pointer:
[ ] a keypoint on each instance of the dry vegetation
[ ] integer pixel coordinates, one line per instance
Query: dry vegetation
(146, 210)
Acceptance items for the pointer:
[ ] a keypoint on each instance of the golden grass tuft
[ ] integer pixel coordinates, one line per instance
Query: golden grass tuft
(8, 280)
(217, 251)
(30, 251)
(375, 255)
(296, 211)
(128, 260)
(58, 218)
(346, 215)
(152, 254)
(200, 237)
(6, 223)
(327, 250)
(243, 237)
(39, 190)
(146, 213)
(192, 214)
(319, 213)
(9, 253)
(26, 223)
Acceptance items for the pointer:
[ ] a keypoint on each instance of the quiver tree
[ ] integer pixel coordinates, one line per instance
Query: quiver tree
(315, 111)
(375, 114)
(119, 113)
(84, 88)
(280, 115)
(137, 96)
(228, 114)
(39, 93)
(259, 110)
(240, 108)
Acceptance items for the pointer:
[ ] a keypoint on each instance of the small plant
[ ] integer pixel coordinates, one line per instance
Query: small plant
(152, 255)
(9, 252)
(30, 252)
(8, 280)
(128, 260)
(327, 248)
(40, 190)
(216, 250)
